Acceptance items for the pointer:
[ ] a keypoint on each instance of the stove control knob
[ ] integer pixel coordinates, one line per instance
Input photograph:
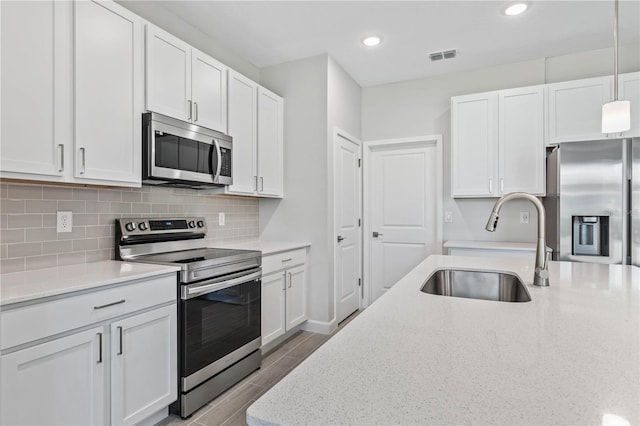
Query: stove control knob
(142, 226)
(130, 226)
(192, 224)
(201, 224)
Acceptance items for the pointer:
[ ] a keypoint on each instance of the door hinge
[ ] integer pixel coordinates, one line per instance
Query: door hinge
(359, 162)
(359, 222)
(359, 282)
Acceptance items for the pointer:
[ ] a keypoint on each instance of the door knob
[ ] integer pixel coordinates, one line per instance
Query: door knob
(377, 234)
(340, 238)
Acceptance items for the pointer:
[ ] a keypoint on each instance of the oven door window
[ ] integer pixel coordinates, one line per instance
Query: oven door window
(218, 323)
(175, 152)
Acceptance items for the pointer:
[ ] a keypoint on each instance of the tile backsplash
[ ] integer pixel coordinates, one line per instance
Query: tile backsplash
(28, 237)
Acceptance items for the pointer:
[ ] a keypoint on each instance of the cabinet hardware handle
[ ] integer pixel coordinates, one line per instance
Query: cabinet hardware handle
(490, 186)
(195, 112)
(82, 153)
(99, 348)
(289, 279)
(61, 169)
(120, 332)
(287, 260)
(109, 304)
(189, 103)
(256, 179)
(261, 184)
(502, 185)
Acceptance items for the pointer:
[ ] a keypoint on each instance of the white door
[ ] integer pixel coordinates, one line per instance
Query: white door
(270, 143)
(60, 382)
(272, 304)
(296, 300)
(209, 91)
(242, 108)
(404, 199)
(347, 207)
(144, 364)
(108, 92)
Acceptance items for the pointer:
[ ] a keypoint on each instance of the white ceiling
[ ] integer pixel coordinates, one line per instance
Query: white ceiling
(271, 32)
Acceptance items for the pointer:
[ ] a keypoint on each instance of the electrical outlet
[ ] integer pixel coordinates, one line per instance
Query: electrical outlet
(64, 221)
(524, 217)
(221, 218)
(448, 217)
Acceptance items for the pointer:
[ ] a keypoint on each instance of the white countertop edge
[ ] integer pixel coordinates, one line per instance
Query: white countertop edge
(27, 286)
(492, 245)
(267, 247)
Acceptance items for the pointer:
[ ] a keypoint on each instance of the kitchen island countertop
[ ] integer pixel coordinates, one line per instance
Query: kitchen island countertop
(570, 356)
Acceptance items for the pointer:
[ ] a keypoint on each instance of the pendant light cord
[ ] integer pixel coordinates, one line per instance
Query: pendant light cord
(615, 51)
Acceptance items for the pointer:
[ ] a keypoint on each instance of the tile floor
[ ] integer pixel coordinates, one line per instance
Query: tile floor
(229, 409)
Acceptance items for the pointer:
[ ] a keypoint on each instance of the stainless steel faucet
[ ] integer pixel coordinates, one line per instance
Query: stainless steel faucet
(541, 274)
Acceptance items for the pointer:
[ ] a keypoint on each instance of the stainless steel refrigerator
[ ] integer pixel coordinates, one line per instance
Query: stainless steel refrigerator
(593, 201)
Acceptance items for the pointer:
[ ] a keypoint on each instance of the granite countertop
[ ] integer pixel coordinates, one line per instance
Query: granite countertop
(570, 356)
(491, 245)
(30, 285)
(267, 247)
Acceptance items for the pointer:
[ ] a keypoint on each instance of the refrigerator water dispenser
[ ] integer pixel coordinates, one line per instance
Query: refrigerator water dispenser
(591, 235)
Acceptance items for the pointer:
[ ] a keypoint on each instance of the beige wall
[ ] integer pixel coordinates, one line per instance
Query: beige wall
(28, 237)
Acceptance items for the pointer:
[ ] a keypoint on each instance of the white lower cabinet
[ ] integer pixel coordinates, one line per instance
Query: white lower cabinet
(284, 293)
(120, 370)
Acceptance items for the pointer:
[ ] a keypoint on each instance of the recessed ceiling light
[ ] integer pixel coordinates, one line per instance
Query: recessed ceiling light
(372, 41)
(515, 9)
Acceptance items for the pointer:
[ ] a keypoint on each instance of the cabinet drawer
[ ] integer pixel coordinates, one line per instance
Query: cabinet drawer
(278, 261)
(40, 320)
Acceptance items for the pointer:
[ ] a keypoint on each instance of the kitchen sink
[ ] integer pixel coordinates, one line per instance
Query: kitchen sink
(486, 285)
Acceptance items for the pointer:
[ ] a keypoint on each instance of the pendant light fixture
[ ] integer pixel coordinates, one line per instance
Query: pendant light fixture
(616, 115)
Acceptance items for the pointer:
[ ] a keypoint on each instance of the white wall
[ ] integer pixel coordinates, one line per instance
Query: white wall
(422, 106)
(156, 14)
(302, 214)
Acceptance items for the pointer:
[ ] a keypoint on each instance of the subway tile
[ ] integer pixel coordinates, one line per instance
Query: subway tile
(41, 206)
(77, 232)
(86, 244)
(12, 206)
(25, 221)
(175, 208)
(41, 234)
(4, 251)
(109, 195)
(159, 208)
(25, 192)
(86, 194)
(11, 236)
(41, 262)
(98, 255)
(109, 219)
(71, 258)
(132, 197)
(120, 207)
(98, 207)
(72, 206)
(49, 220)
(106, 243)
(140, 208)
(12, 265)
(25, 249)
(4, 190)
(57, 193)
(4, 221)
(97, 231)
(52, 247)
(86, 219)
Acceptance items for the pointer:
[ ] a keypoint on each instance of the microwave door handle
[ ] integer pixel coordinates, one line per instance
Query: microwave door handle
(189, 292)
(216, 176)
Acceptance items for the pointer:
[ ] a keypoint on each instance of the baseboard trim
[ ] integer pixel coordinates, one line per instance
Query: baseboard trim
(320, 326)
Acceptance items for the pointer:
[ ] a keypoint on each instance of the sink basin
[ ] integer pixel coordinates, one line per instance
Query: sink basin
(486, 285)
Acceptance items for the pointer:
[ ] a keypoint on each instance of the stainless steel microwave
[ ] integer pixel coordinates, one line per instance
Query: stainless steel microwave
(177, 153)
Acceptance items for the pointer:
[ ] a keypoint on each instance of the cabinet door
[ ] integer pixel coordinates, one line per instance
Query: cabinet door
(272, 301)
(108, 92)
(35, 103)
(270, 143)
(242, 108)
(629, 90)
(143, 365)
(168, 80)
(575, 109)
(296, 302)
(473, 145)
(521, 151)
(208, 91)
(60, 382)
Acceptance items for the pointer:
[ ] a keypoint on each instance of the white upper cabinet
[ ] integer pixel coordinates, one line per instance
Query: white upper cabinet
(497, 143)
(473, 144)
(72, 92)
(629, 90)
(183, 82)
(35, 93)
(108, 73)
(574, 109)
(256, 121)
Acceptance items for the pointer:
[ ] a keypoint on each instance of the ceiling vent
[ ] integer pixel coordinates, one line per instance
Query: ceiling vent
(447, 54)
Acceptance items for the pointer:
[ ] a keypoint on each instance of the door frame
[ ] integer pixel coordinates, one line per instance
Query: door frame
(337, 132)
(408, 142)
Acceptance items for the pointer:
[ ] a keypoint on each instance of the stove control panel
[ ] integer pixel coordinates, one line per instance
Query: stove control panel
(140, 226)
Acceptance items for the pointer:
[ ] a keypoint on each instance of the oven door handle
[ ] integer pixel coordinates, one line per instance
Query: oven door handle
(189, 292)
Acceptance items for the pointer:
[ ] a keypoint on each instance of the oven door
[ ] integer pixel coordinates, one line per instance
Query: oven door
(219, 325)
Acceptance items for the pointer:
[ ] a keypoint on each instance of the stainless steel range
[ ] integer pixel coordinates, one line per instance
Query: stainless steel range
(219, 307)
